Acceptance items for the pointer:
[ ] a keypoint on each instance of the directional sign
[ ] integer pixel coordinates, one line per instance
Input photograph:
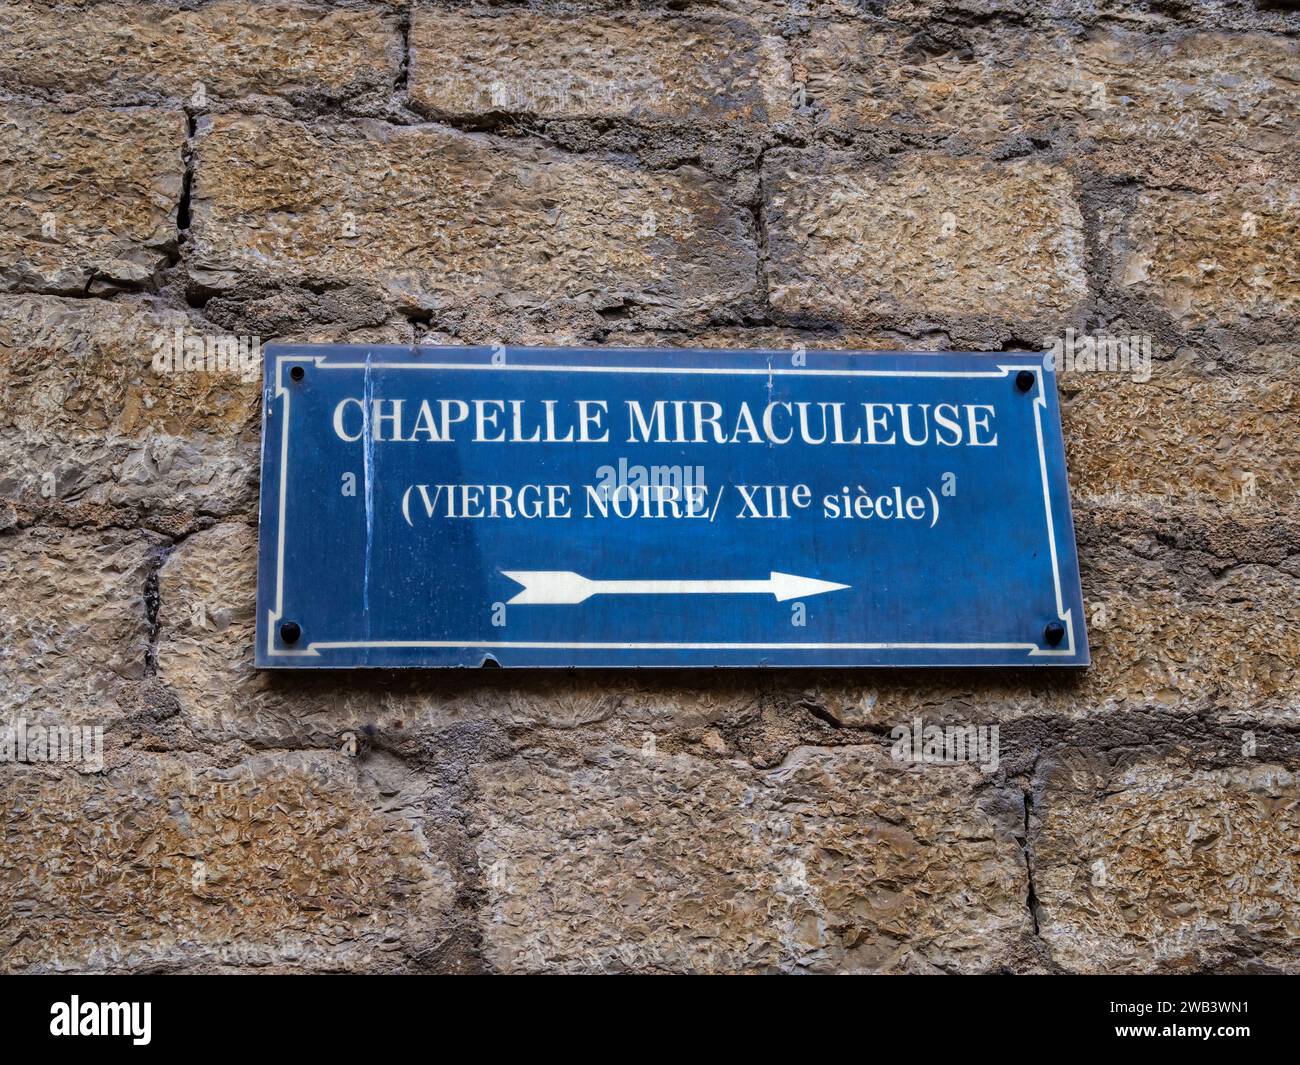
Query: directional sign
(458, 506)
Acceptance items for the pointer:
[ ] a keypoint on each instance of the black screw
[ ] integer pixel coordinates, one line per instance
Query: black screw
(297, 373)
(1053, 634)
(1024, 380)
(290, 630)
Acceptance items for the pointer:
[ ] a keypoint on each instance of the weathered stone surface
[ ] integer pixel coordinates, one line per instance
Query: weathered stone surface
(930, 235)
(345, 313)
(1195, 607)
(1163, 867)
(651, 68)
(836, 861)
(783, 339)
(442, 218)
(88, 366)
(990, 89)
(137, 53)
(1183, 435)
(87, 199)
(72, 607)
(94, 412)
(1048, 15)
(1215, 257)
(287, 862)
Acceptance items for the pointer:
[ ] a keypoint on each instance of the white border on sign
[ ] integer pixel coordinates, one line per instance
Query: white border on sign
(312, 650)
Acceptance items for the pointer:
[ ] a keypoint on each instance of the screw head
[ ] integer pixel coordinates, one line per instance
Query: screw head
(1053, 633)
(297, 373)
(1024, 380)
(290, 631)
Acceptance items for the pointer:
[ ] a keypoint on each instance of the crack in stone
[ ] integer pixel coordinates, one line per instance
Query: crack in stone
(402, 81)
(1031, 900)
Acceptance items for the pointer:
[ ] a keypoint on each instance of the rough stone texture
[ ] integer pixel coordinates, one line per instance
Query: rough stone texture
(229, 50)
(1046, 15)
(918, 175)
(72, 607)
(477, 222)
(1161, 867)
(1216, 257)
(931, 236)
(647, 69)
(281, 862)
(89, 427)
(835, 861)
(1184, 434)
(1108, 90)
(87, 200)
(1199, 609)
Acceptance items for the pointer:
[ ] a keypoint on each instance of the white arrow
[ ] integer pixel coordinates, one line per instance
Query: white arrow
(565, 586)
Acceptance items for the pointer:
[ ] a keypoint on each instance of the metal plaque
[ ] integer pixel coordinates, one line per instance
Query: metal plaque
(458, 506)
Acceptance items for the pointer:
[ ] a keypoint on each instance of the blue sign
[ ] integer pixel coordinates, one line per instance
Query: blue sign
(624, 507)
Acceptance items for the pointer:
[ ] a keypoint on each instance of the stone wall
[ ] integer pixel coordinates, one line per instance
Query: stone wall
(872, 174)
